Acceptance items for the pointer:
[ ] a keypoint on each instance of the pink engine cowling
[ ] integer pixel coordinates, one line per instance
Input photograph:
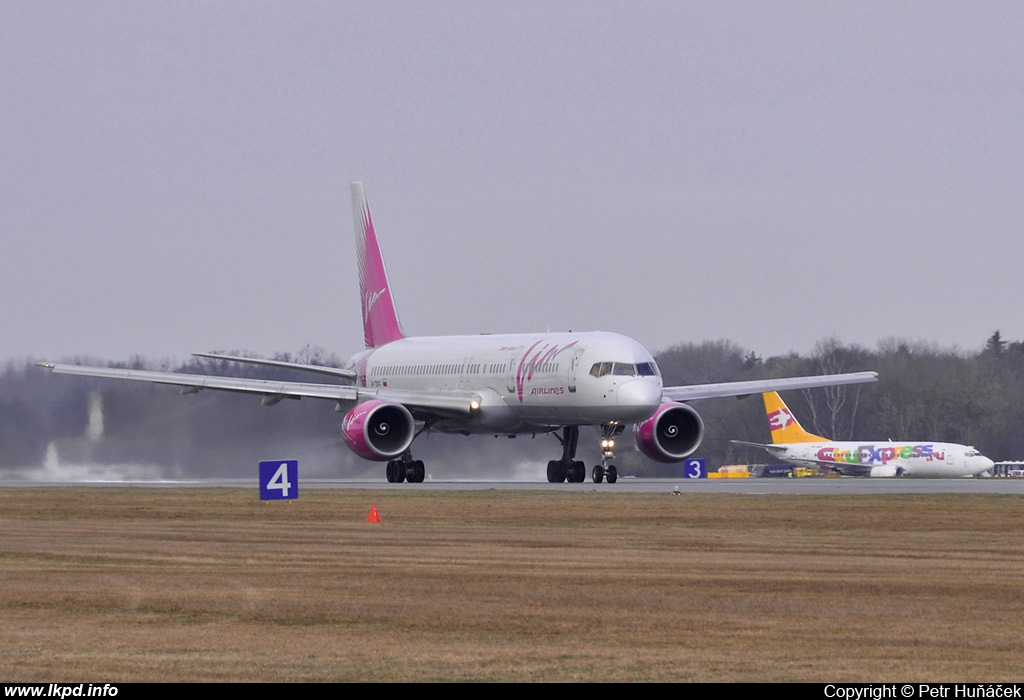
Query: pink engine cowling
(672, 434)
(378, 430)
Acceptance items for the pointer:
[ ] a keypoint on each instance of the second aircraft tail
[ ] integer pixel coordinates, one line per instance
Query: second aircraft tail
(783, 424)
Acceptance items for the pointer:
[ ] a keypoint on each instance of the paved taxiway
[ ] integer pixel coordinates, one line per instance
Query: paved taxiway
(810, 486)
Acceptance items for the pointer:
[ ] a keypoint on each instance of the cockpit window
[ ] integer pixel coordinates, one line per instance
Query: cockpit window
(647, 369)
(625, 369)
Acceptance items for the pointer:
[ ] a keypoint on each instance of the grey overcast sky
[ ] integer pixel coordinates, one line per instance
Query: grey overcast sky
(175, 174)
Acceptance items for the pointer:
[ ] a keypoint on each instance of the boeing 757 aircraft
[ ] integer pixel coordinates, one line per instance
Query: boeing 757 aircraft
(399, 387)
(791, 443)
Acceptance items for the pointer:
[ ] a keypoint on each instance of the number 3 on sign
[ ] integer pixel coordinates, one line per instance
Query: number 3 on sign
(696, 469)
(279, 480)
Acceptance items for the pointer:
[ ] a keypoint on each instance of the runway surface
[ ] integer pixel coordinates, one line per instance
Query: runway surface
(809, 486)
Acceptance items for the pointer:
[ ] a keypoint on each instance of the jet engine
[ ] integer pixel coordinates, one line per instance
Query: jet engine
(887, 470)
(378, 430)
(672, 434)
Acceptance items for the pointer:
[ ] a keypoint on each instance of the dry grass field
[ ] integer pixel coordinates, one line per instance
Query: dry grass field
(122, 584)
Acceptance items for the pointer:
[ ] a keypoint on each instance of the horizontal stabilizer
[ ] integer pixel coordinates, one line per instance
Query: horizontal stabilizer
(762, 445)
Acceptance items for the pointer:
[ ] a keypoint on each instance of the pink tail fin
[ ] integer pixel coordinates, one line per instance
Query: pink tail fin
(380, 318)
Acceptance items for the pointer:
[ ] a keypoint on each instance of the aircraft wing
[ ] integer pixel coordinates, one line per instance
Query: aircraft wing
(421, 404)
(759, 386)
(346, 374)
(844, 469)
(780, 452)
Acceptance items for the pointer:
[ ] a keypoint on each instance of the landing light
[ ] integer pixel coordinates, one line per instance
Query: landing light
(474, 405)
(607, 444)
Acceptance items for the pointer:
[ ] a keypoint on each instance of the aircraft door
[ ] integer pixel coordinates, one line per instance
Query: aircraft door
(574, 368)
(509, 369)
(467, 373)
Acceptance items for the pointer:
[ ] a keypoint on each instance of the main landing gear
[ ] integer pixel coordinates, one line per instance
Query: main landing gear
(575, 472)
(406, 468)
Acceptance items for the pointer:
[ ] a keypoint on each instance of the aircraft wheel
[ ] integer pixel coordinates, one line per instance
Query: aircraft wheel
(419, 472)
(612, 474)
(556, 472)
(390, 470)
(579, 472)
(598, 474)
(553, 472)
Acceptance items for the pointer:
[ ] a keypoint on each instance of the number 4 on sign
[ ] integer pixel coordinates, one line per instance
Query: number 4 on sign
(279, 480)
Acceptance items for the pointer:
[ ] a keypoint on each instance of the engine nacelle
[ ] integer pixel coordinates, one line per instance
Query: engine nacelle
(378, 430)
(672, 434)
(887, 470)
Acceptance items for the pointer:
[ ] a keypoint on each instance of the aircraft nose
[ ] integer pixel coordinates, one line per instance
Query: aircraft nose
(980, 463)
(639, 393)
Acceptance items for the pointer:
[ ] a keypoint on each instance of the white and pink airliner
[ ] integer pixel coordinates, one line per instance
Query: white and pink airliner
(399, 387)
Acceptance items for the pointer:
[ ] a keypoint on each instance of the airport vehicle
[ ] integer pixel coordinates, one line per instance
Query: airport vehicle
(791, 443)
(399, 387)
(1013, 469)
(771, 471)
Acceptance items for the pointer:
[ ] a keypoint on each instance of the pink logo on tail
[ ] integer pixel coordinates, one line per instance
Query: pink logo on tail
(780, 419)
(368, 301)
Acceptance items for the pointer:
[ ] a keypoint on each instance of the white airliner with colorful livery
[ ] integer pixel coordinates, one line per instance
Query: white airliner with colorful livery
(792, 444)
(400, 387)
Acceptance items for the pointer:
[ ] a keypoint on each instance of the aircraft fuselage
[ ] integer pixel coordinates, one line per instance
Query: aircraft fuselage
(525, 382)
(917, 459)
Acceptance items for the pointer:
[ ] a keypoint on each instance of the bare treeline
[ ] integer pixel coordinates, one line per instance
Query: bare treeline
(924, 393)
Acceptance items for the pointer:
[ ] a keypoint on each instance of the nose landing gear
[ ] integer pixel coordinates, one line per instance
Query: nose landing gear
(604, 470)
(601, 472)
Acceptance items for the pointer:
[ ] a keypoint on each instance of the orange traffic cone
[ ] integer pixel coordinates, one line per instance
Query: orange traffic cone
(374, 516)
